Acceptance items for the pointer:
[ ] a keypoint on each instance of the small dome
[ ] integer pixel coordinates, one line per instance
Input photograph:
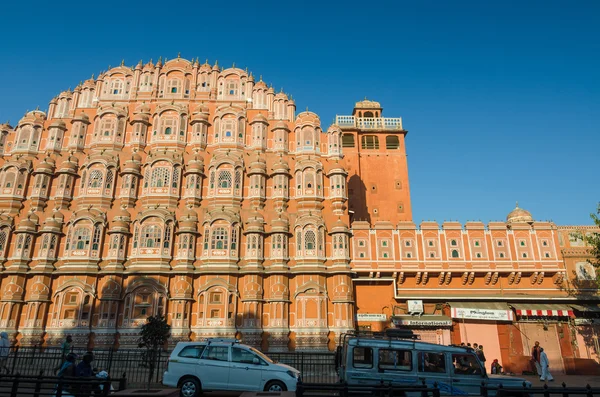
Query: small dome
(260, 85)
(143, 108)
(255, 222)
(281, 166)
(281, 224)
(29, 223)
(339, 227)
(82, 117)
(259, 118)
(58, 124)
(519, 215)
(281, 125)
(54, 222)
(367, 104)
(195, 166)
(46, 165)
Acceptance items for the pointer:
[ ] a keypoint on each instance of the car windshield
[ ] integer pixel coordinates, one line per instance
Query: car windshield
(261, 355)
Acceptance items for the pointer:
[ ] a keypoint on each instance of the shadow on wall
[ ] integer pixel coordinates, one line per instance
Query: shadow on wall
(357, 197)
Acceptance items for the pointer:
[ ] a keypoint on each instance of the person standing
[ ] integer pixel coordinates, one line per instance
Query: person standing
(535, 357)
(480, 354)
(4, 351)
(65, 350)
(545, 364)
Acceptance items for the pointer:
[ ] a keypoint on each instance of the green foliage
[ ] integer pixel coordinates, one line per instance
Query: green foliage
(593, 239)
(153, 335)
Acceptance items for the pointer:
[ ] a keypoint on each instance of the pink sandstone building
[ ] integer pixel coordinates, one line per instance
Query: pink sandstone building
(197, 192)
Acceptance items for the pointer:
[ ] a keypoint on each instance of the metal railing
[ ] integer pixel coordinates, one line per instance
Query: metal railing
(133, 363)
(46, 386)
(546, 391)
(344, 390)
(370, 123)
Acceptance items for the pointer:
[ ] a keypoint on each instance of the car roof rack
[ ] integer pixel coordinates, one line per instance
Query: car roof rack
(388, 334)
(223, 340)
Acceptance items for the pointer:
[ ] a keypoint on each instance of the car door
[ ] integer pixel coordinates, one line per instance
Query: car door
(467, 374)
(213, 367)
(186, 361)
(395, 366)
(245, 371)
(433, 368)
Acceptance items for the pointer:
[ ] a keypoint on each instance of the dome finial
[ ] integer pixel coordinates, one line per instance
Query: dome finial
(179, 55)
(517, 205)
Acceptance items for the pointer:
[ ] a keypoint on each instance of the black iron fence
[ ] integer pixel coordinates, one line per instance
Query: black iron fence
(51, 386)
(316, 367)
(381, 390)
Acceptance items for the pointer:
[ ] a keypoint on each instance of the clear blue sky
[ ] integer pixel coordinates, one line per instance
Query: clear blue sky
(501, 99)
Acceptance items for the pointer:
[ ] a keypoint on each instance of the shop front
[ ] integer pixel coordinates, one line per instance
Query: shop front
(478, 322)
(430, 328)
(549, 325)
(586, 330)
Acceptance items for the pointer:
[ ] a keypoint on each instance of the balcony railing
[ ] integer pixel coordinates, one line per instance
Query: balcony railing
(370, 123)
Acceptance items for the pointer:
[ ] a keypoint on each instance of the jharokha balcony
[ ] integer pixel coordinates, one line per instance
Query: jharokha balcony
(369, 123)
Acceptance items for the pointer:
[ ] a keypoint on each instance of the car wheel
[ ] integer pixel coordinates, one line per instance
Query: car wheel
(275, 385)
(190, 387)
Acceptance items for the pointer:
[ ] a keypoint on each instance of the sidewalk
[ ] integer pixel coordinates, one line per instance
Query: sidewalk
(569, 380)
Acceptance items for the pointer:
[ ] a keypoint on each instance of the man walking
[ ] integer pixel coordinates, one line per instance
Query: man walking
(4, 351)
(65, 349)
(545, 364)
(535, 357)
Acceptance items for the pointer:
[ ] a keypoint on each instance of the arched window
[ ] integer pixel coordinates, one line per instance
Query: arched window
(150, 236)
(392, 142)
(95, 179)
(160, 177)
(81, 238)
(219, 239)
(168, 131)
(309, 240)
(455, 253)
(4, 233)
(453, 243)
(225, 179)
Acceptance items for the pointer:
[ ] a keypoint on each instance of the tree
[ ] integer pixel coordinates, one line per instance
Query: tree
(153, 335)
(593, 240)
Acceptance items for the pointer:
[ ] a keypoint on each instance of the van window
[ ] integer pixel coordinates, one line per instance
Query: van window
(432, 362)
(466, 364)
(219, 353)
(362, 357)
(396, 360)
(192, 351)
(239, 355)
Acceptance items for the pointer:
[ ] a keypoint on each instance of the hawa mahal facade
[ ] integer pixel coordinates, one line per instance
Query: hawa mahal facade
(199, 193)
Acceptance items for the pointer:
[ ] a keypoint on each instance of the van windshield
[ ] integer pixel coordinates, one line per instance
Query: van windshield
(261, 355)
(467, 364)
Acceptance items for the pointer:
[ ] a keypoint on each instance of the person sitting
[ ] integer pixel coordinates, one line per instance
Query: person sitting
(496, 368)
(84, 368)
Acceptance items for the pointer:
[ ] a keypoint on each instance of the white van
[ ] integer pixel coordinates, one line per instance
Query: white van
(397, 357)
(225, 364)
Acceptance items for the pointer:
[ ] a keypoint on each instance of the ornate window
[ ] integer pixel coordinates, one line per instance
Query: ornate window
(23, 246)
(48, 246)
(340, 246)
(141, 303)
(223, 240)
(27, 138)
(99, 182)
(219, 239)
(146, 82)
(4, 236)
(153, 237)
(392, 142)
(254, 246)
(280, 186)
(225, 179)
(84, 240)
(309, 242)
(279, 245)
(162, 178)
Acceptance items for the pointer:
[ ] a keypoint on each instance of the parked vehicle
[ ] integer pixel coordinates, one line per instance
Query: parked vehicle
(397, 357)
(225, 364)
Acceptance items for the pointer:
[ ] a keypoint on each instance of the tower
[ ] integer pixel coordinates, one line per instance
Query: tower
(378, 187)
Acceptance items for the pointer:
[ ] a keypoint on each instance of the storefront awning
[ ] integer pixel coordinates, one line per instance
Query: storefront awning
(542, 310)
(587, 307)
(493, 311)
(422, 321)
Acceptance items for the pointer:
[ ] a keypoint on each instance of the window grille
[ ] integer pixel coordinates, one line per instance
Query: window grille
(109, 179)
(160, 177)
(233, 238)
(175, 177)
(370, 142)
(81, 238)
(392, 142)
(151, 236)
(224, 179)
(348, 140)
(309, 240)
(96, 239)
(167, 236)
(219, 239)
(95, 180)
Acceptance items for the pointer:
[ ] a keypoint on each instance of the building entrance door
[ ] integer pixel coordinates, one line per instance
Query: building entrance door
(548, 339)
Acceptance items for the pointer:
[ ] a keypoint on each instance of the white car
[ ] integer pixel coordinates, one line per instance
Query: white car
(225, 364)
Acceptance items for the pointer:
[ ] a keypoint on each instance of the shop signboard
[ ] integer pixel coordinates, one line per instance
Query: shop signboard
(415, 306)
(482, 314)
(422, 322)
(370, 317)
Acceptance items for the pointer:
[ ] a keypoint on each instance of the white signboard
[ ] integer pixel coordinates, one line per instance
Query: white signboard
(416, 322)
(482, 314)
(370, 317)
(415, 306)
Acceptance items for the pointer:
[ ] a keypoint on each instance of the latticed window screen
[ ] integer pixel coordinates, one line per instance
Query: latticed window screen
(95, 180)
(96, 239)
(320, 239)
(167, 236)
(81, 238)
(309, 240)
(151, 236)
(160, 177)
(109, 178)
(219, 239)
(233, 238)
(108, 127)
(175, 177)
(212, 179)
(206, 234)
(238, 179)
(224, 179)
(3, 240)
